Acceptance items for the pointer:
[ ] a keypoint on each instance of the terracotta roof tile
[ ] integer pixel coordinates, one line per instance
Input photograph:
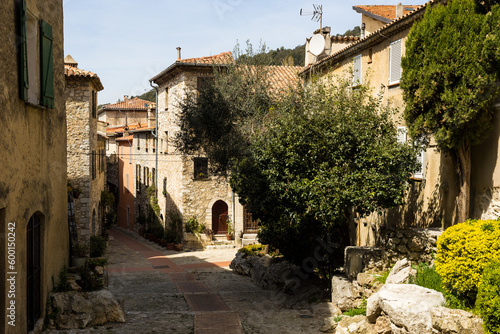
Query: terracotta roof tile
(281, 77)
(71, 71)
(130, 127)
(130, 104)
(222, 58)
(388, 12)
(125, 138)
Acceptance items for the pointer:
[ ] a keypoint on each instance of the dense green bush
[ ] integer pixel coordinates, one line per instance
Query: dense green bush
(97, 246)
(488, 298)
(463, 251)
(193, 226)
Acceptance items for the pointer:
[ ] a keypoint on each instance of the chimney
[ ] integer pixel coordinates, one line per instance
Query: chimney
(399, 10)
(125, 97)
(68, 60)
(178, 53)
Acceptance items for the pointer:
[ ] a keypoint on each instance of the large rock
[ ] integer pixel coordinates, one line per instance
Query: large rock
(448, 321)
(355, 325)
(407, 306)
(281, 276)
(242, 264)
(400, 273)
(344, 294)
(105, 308)
(71, 310)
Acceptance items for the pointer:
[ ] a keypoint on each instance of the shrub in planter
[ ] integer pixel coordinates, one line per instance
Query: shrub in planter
(488, 298)
(97, 246)
(463, 251)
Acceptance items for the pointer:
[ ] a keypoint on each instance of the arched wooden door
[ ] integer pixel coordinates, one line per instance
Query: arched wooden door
(219, 217)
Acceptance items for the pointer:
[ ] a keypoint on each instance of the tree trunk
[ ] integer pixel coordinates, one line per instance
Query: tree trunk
(463, 164)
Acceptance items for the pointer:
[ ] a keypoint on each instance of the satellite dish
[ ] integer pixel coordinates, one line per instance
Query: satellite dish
(317, 44)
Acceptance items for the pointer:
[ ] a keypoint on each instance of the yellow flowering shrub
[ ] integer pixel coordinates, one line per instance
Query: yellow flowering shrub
(463, 251)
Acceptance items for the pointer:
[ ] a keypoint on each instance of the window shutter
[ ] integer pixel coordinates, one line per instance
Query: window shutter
(46, 65)
(356, 67)
(395, 62)
(401, 134)
(419, 174)
(23, 52)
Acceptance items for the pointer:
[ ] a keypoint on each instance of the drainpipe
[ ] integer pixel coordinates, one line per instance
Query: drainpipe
(155, 136)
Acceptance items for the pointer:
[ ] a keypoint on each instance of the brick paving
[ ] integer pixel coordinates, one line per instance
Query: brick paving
(192, 292)
(197, 295)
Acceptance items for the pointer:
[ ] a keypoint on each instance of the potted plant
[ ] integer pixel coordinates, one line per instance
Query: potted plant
(80, 253)
(229, 234)
(169, 238)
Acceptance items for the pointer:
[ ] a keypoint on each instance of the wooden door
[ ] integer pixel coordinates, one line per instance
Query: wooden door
(219, 217)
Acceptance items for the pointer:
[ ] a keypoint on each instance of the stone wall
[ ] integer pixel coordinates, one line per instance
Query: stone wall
(185, 194)
(418, 245)
(82, 140)
(32, 164)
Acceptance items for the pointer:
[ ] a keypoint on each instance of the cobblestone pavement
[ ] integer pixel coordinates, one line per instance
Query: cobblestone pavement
(192, 292)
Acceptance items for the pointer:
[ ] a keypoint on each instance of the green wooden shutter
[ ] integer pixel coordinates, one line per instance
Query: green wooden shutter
(23, 52)
(46, 65)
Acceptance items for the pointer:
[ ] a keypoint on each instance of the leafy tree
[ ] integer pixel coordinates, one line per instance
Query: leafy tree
(333, 150)
(448, 81)
(221, 120)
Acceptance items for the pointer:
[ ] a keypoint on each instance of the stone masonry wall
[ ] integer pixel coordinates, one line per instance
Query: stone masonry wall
(82, 139)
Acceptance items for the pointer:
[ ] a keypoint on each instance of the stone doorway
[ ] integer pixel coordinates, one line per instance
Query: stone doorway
(219, 217)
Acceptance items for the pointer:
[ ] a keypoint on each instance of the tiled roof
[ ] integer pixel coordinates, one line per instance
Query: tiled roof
(130, 127)
(406, 20)
(344, 38)
(387, 12)
(130, 104)
(281, 77)
(71, 71)
(125, 138)
(222, 58)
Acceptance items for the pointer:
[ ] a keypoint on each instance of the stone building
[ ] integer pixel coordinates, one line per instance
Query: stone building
(184, 184)
(129, 111)
(86, 140)
(125, 182)
(376, 58)
(33, 196)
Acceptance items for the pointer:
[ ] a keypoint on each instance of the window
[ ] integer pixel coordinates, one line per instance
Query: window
(200, 168)
(153, 139)
(36, 73)
(146, 176)
(165, 186)
(138, 140)
(127, 182)
(395, 62)
(147, 140)
(94, 104)
(401, 134)
(138, 178)
(153, 176)
(130, 153)
(370, 55)
(357, 79)
(93, 165)
(100, 162)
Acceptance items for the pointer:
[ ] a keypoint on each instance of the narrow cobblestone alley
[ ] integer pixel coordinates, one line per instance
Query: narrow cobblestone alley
(191, 292)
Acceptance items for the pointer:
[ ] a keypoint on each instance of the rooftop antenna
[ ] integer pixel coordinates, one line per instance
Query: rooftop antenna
(317, 15)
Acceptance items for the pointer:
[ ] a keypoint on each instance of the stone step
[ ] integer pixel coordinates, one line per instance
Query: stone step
(246, 242)
(250, 236)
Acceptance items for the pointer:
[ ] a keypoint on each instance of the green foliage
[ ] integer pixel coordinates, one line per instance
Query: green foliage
(193, 226)
(450, 70)
(332, 149)
(98, 246)
(81, 248)
(91, 281)
(148, 96)
(488, 298)
(62, 282)
(382, 277)
(463, 251)
(253, 250)
(361, 310)
(174, 231)
(223, 118)
(428, 277)
(356, 31)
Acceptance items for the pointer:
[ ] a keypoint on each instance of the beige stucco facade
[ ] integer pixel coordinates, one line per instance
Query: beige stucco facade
(86, 150)
(33, 170)
(431, 198)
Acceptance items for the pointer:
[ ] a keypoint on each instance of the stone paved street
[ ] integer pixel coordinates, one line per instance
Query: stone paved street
(192, 292)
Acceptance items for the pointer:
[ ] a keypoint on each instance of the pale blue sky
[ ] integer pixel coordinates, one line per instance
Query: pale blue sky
(126, 42)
